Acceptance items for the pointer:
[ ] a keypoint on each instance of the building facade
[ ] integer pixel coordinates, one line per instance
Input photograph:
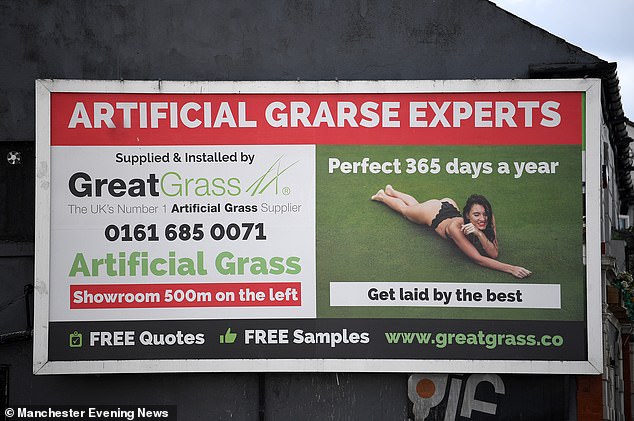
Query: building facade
(299, 40)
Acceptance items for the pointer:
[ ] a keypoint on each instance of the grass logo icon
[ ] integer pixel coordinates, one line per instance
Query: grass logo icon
(271, 176)
(228, 337)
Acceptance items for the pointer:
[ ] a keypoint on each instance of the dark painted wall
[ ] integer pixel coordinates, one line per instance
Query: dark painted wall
(236, 40)
(259, 40)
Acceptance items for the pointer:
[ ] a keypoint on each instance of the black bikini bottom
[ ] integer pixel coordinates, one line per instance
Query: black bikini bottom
(447, 210)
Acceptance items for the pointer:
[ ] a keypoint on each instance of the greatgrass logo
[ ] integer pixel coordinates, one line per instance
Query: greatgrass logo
(175, 184)
(271, 179)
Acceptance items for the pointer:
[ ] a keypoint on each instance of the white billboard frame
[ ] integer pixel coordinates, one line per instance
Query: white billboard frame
(591, 88)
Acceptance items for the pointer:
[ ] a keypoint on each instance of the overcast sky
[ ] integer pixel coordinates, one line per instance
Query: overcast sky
(604, 28)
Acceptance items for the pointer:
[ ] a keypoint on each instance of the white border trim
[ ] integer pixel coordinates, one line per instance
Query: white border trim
(592, 88)
(42, 224)
(593, 225)
(318, 87)
(319, 365)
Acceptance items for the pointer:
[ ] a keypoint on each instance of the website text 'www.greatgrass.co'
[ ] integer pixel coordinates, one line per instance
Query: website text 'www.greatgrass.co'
(488, 340)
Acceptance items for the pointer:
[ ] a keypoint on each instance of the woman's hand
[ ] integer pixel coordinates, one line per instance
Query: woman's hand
(519, 272)
(469, 229)
(490, 247)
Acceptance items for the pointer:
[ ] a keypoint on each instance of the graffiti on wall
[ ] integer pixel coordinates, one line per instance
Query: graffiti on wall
(454, 395)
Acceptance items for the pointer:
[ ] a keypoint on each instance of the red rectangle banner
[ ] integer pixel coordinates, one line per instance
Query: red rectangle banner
(483, 118)
(254, 294)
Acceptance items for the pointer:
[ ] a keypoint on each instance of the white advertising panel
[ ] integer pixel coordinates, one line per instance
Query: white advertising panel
(405, 226)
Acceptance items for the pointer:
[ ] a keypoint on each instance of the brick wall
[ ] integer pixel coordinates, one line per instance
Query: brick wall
(589, 398)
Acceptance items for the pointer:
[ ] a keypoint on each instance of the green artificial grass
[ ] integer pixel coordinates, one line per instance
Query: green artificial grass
(539, 224)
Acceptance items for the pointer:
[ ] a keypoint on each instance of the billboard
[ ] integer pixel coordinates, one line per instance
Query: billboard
(388, 226)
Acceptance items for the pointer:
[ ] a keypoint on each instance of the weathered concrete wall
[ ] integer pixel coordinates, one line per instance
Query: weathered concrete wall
(237, 40)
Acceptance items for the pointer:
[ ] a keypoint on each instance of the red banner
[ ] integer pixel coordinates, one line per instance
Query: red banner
(270, 294)
(496, 118)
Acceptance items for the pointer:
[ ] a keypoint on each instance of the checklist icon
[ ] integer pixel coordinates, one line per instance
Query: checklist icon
(75, 340)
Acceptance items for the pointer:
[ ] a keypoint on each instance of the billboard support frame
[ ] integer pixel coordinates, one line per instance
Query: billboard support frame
(591, 88)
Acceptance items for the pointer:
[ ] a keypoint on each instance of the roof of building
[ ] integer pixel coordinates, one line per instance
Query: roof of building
(613, 115)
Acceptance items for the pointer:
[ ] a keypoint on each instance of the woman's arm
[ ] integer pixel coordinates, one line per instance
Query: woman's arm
(490, 247)
(467, 248)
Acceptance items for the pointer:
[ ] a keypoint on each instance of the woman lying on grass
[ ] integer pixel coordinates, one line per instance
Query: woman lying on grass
(473, 231)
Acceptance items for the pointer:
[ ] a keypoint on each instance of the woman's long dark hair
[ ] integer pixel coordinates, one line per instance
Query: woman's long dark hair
(478, 199)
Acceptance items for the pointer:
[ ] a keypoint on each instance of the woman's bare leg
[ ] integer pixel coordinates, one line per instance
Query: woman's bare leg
(408, 199)
(420, 213)
(393, 202)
